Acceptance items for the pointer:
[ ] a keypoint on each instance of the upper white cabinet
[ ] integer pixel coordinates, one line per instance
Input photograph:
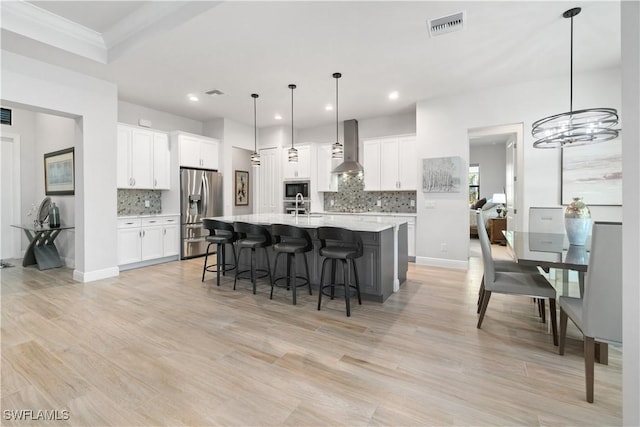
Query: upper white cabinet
(326, 181)
(299, 169)
(143, 158)
(390, 164)
(198, 151)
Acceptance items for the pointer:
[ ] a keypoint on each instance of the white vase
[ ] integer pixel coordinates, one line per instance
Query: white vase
(577, 222)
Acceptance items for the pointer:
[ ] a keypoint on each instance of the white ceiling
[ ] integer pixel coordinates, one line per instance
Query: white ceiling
(158, 56)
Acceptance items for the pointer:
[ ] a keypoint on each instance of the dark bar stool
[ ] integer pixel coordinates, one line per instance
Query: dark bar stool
(252, 236)
(291, 240)
(339, 244)
(221, 234)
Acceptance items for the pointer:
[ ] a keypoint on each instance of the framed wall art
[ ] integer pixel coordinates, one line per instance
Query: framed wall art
(59, 173)
(241, 188)
(593, 172)
(442, 175)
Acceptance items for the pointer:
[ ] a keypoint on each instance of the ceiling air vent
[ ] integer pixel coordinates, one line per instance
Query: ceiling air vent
(446, 24)
(214, 92)
(6, 116)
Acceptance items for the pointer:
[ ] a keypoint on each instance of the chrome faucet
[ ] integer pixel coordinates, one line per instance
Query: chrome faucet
(301, 202)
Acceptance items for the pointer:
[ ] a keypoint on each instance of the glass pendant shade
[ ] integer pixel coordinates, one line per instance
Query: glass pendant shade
(575, 128)
(337, 150)
(255, 157)
(292, 154)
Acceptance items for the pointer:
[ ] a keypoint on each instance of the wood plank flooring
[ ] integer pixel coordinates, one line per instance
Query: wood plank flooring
(155, 346)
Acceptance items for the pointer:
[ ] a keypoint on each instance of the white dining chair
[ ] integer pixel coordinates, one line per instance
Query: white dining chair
(512, 283)
(503, 265)
(598, 314)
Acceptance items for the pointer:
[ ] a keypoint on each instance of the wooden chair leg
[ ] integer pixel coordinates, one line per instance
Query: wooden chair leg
(589, 361)
(483, 309)
(554, 319)
(480, 294)
(563, 330)
(602, 353)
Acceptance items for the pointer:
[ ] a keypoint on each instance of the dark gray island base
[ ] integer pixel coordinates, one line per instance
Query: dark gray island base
(377, 271)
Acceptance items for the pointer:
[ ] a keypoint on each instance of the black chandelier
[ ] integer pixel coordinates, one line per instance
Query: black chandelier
(575, 128)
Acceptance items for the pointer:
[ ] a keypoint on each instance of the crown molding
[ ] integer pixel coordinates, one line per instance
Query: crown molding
(38, 24)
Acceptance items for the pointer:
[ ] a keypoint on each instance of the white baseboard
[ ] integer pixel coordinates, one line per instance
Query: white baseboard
(90, 276)
(442, 262)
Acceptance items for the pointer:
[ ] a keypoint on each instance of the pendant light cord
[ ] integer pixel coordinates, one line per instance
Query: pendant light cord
(337, 77)
(255, 126)
(571, 70)
(292, 87)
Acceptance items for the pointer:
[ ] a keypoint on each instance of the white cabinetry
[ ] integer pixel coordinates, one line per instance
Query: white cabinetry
(143, 158)
(390, 164)
(269, 184)
(198, 151)
(299, 169)
(142, 240)
(326, 181)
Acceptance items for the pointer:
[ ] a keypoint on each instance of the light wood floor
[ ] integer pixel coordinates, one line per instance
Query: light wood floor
(155, 346)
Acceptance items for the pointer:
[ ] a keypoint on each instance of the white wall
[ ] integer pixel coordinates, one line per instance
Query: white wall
(241, 160)
(93, 104)
(442, 130)
(54, 133)
(492, 159)
(630, 13)
(131, 113)
(24, 124)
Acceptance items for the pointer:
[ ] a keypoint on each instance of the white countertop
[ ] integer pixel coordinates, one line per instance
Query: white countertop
(147, 215)
(367, 213)
(355, 222)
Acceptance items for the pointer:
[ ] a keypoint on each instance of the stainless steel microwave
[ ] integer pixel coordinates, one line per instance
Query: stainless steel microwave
(291, 188)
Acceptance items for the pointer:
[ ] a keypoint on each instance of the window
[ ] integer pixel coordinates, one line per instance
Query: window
(474, 184)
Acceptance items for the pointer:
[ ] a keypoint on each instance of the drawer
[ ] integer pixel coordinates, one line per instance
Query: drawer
(149, 222)
(128, 222)
(171, 220)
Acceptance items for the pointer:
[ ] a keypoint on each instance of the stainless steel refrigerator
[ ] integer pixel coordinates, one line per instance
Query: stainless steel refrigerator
(200, 197)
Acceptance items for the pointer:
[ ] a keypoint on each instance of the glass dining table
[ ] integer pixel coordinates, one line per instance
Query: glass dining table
(547, 250)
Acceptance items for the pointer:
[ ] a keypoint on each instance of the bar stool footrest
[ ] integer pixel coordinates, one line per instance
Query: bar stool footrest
(304, 282)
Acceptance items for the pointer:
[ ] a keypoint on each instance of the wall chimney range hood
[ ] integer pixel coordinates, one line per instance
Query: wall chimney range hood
(350, 165)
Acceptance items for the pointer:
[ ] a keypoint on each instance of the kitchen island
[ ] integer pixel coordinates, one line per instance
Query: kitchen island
(382, 268)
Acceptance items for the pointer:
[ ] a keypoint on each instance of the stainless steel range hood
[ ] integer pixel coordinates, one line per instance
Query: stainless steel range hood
(350, 165)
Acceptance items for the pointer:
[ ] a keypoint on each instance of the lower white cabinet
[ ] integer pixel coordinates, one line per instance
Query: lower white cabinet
(142, 239)
(411, 233)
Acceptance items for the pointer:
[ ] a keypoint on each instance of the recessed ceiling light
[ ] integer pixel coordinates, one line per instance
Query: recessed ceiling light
(328, 107)
(278, 117)
(393, 95)
(192, 97)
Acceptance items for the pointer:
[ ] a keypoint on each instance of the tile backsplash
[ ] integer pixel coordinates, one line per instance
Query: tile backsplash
(351, 197)
(131, 202)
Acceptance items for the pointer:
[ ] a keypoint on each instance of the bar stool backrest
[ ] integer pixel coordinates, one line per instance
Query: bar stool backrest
(341, 237)
(219, 228)
(253, 231)
(285, 233)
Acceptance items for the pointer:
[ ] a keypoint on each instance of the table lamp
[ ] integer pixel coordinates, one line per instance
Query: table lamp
(501, 199)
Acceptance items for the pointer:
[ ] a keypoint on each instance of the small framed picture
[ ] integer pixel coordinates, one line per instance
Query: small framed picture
(241, 188)
(59, 173)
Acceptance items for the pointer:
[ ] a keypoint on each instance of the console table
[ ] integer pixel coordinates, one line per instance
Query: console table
(42, 251)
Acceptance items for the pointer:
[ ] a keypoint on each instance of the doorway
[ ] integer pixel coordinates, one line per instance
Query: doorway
(10, 202)
(494, 153)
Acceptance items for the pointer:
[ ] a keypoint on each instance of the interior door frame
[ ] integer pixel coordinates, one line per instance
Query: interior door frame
(16, 199)
(514, 201)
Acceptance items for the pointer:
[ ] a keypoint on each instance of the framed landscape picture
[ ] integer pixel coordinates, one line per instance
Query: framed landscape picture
(241, 188)
(593, 172)
(59, 173)
(442, 175)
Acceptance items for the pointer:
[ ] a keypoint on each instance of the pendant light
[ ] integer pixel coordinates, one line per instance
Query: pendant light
(337, 150)
(575, 128)
(255, 157)
(293, 153)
